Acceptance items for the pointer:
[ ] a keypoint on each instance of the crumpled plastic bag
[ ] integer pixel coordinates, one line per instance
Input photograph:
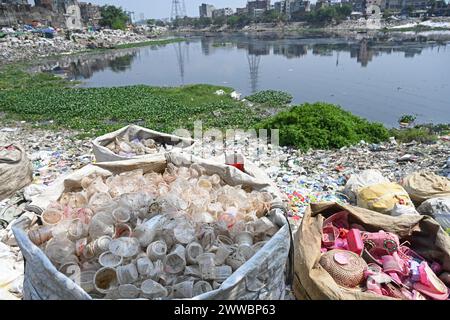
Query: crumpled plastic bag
(400, 210)
(361, 180)
(439, 209)
(11, 274)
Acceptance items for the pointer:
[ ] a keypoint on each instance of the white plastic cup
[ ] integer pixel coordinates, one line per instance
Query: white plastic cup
(51, 217)
(201, 287)
(127, 274)
(108, 259)
(41, 235)
(235, 261)
(121, 215)
(125, 247)
(77, 230)
(183, 289)
(222, 273)
(122, 230)
(129, 291)
(87, 281)
(144, 266)
(96, 247)
(105, 280)
(157, 250)
(175, 262)
(244, 237)
(146, 231)
(193, 250)
(152, 290)
(207, 265)
(222, 253)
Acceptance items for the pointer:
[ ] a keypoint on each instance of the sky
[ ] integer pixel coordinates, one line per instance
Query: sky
(162, 8)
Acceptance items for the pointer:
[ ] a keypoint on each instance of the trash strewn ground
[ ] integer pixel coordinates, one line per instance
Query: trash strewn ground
(30, 46)
(303, 177)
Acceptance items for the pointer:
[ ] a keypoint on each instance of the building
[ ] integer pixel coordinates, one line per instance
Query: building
(291, 7)
(255, 7)
(222, 12)
(401, 5)
(240, 11)
(206, 10)
(279, 6)
(16, 2)
(90, 13)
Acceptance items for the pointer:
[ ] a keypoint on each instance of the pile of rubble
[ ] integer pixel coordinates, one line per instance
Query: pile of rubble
(29, 46)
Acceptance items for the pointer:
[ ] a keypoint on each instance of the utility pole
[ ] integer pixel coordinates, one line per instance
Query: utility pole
(178, 9)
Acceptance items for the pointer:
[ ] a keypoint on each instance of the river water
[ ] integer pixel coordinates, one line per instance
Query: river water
(377, 79)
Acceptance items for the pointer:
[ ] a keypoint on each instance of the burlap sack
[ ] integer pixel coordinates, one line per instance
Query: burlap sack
(311, 281)
(16, 170)
(422, 186)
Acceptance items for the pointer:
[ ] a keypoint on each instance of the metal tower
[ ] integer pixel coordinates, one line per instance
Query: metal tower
(178, 9)
(253, 64)
(180, 59)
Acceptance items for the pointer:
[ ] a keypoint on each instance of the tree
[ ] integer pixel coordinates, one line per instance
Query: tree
(220, 20)
(113, 17)
(326, 15)
(387, 13)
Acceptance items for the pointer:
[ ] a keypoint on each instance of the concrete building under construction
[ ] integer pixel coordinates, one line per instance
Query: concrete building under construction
(67, 14)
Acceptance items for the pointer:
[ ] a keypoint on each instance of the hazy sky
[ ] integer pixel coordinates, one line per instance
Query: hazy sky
(162, 8)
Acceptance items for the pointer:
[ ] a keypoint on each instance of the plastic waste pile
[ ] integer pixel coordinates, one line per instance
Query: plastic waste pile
(379, 262)
(136, 147)
(156, 236)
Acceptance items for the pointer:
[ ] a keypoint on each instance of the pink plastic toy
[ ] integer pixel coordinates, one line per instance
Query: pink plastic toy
(354, 241)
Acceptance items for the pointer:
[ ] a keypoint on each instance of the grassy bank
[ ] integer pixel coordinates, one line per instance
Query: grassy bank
(42, 97)
(149, 43)
(46, 100)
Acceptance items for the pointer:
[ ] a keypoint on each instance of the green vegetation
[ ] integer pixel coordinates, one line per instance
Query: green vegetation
(38, 98)
(12, 78)
(148, 43)
(407, 118)
(424, 133)
(100, 110)
(113, 17)
(419, 134)
(323, 126)
(156, 22)
(417, 28)
(329, 14)
(271, 97)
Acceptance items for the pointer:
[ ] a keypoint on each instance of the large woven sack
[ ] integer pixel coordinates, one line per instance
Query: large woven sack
(422, 186)
(438, 208)
(311, 281)
(260, 278)
(103, 154)
(383, 197)
(16, 170)
(361, 180)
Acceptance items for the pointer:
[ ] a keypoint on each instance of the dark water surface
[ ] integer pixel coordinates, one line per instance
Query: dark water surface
(376, 79)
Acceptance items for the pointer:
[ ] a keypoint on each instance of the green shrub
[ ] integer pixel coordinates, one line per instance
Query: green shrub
(407, 118)
(272, 97)
(323, 126)
(418, 134)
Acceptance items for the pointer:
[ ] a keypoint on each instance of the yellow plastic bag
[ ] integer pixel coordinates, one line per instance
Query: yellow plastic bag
(382, 197)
